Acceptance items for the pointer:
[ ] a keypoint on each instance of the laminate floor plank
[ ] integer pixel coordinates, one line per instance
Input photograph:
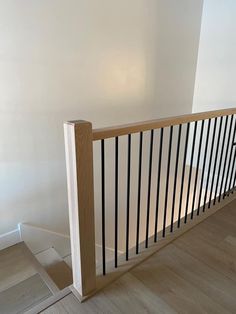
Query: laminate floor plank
(180, 294)
(215, 236)
(24, 295)
(98, 304)
(14, 266)
(55, 309)
(61, 274)
(134, 289)
(213, 284)
(210, 254)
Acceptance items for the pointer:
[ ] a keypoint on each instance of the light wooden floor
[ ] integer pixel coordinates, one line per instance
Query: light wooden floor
(24, 283)
(21, 284)
(194, 274)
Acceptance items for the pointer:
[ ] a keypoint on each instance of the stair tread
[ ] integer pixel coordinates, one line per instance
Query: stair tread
(61, 274)
(24, 295)
(15, 266)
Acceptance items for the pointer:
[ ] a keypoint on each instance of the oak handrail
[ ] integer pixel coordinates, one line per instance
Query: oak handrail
(119, 130)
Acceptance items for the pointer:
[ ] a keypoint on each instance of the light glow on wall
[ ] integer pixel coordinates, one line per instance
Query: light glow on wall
(123, 76)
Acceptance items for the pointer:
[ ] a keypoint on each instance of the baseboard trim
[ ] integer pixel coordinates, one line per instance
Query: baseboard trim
(39, 239)
(10, 238)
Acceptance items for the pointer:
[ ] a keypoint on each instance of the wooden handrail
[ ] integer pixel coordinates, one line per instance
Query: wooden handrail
(142, 126)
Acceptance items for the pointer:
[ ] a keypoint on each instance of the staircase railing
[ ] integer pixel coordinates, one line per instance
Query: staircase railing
(134, 188)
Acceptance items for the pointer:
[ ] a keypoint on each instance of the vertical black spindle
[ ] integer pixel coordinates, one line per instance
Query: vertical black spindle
(215, 162)
(197, 168)
(139, 189)
(204, 165)
(221, 157)
(149, 187)
(167, 182)
(183, 173)
(116, 198)
(175, 179)
(190, 172)
(230, 158)
(128, 197)
(234, 183)
(226, 157)
(209, 163)
(158, 184)
(103, 207)
(232, 171)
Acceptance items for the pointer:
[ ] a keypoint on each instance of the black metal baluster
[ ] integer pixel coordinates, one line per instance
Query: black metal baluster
(197, 169)
(167, 182)
(203, 168)
(158, 184)
(226, 157)
(175, 179)
(190, 171)
(215, 162)
(234, 183)
(103, 207)
(230, 158)
(209, 164)
(128, 197)
(149, 187)
(183, 174)
(139, 189)
(232, 171)
(221, 156)
(116, 198)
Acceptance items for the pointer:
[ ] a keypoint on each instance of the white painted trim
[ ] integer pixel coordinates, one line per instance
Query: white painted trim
(10, 238)
(21, 225)
(39, 239)
(109, 249)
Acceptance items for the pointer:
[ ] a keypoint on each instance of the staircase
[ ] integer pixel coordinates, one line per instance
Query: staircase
(25, 283)
(37, 272)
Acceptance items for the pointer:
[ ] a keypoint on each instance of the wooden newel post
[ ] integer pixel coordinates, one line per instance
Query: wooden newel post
(79, 163)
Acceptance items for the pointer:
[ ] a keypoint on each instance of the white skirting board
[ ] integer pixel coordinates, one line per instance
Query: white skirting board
(10, 238)
(39, 239)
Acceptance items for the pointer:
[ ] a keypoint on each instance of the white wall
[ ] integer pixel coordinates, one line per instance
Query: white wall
(176, 26)
(216, 69)
(106, 61)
